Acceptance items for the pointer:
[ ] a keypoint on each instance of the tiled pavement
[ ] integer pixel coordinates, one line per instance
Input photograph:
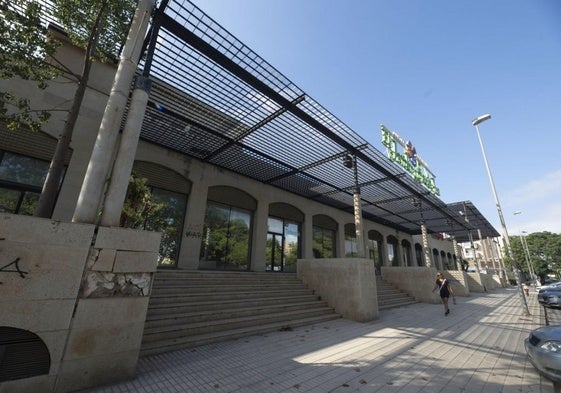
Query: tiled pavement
(477, 348)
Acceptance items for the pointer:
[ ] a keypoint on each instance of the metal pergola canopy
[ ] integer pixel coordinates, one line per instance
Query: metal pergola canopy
(216, 100)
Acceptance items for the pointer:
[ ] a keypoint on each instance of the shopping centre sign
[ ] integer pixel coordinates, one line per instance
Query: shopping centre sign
(408, 159)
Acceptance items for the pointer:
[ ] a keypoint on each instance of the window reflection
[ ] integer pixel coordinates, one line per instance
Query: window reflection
(226, 238)
(21, 180)
(169, 221)
(324, 242)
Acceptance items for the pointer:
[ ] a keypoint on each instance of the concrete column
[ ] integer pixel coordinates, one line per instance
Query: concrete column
(308, 237)
(360, 245)
(457, 252)
(93, 185)
(259, 237)
(193, 226)
(484, 247)
(124, 160)
(384, 245)
(426, 246)
(340, 251)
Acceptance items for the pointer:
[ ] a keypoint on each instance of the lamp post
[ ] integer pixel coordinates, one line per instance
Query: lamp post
(529, 257)
(525, 251)
(476, 123)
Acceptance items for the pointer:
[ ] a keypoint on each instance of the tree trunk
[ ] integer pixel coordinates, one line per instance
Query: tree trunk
(48, 196)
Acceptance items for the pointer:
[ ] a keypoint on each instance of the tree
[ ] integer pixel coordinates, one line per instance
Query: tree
(23, 49)
(97, 26)
(545, 253)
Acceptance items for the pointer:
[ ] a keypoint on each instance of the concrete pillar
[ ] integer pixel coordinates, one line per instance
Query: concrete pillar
(124, 160)
(259, 237)
(308, 237)
(457, 252)
(340, 251)
(426, 246)
(194, 226)
(384, 245)
(360, 244)
(93, 185)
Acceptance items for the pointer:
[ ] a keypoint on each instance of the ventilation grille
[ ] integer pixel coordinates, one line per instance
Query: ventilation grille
(22, 354)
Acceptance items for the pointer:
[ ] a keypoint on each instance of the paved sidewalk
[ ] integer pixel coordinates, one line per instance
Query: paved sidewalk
(477, 348)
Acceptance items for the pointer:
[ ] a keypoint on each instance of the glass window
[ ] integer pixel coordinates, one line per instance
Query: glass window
(350, 241)
(20, 169)
(169, 221)
(226, 238)
(21, 180)
(324, 242)
(282, 235)
(391, 254)
(291, 235)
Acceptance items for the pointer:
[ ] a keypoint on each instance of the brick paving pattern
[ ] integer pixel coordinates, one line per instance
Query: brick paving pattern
(477, 348)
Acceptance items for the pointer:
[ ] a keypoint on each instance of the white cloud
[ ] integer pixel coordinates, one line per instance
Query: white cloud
(540, 204)
(540, 189)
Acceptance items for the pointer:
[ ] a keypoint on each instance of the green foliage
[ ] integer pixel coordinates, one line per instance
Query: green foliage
(23, 49)
(225, 238)
(110, 19)
(544, 252)
(139, 206)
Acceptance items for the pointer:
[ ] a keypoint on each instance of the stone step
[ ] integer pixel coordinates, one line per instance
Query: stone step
(225, 313)
(153, 348)
(183, 297)
(189, 306)
(396, 303)
(223, 287)
(390, 297)
(173, 331)
(197, 275)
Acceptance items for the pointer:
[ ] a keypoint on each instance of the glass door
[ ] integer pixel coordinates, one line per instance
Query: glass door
(283, 239)
(274, 252)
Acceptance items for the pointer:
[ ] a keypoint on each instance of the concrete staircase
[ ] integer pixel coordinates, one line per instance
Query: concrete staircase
(390, 297)
(191, 308)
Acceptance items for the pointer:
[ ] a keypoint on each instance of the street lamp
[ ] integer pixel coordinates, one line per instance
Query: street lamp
(525, 250)
(476, 123)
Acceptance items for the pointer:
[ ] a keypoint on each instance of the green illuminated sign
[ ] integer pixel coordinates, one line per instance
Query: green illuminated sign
(409, 159)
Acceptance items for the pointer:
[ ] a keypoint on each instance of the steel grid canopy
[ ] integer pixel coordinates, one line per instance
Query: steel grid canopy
(215, 99)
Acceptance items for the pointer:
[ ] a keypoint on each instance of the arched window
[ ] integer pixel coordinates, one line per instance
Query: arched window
(22, 354)
(324, 232)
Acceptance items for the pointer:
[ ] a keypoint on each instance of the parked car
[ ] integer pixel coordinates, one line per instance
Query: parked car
(553, 299)
(549, 284)
(544, 294)
(543, 346)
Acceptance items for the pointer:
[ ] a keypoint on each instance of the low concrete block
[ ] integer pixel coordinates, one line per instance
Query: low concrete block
(346, 284)
(41, 383)
(127, 239)
(97, 370)
(135, 261)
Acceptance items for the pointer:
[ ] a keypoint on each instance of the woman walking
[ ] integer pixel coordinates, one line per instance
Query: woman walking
(445, 291)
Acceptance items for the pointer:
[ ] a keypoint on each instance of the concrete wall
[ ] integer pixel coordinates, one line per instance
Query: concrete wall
(53, 255)
(86, 303)
(419, 282)
(476, 282)
(347, 285)
(490, 281)
(415, 281)
(458, 280)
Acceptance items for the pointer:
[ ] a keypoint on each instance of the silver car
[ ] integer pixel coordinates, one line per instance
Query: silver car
(544, 350)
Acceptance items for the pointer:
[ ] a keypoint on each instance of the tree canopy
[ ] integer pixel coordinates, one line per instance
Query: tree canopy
(544, 252)
(99, 27)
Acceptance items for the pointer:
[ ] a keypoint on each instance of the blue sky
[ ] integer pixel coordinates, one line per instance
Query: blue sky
(426, 69)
